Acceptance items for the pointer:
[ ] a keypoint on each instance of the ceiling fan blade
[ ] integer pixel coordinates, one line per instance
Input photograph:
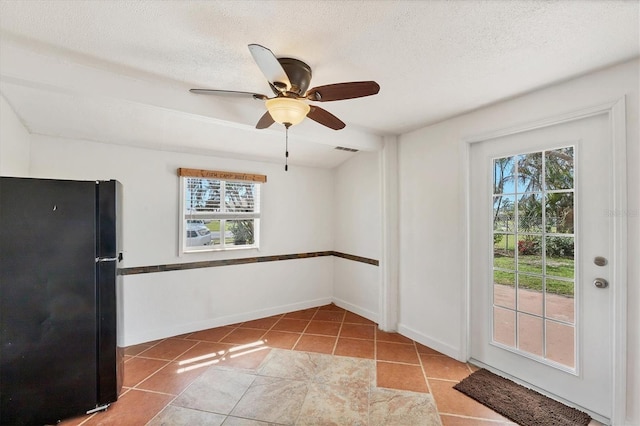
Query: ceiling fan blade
(265, 121)
(228, 93)
(270, 67)
(325, 118)
(340, 91)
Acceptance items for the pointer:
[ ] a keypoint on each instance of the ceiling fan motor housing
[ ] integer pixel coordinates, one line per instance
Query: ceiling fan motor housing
(299, 74)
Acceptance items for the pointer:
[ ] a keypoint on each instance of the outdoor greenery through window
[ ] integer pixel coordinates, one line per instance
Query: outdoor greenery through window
(533, 254)
(220, 210)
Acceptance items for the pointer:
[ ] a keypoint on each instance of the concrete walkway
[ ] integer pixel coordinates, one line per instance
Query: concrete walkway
(560, 321)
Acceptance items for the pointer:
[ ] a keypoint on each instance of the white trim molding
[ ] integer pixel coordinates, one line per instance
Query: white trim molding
(616, 111)
(389, 279)
(617, 117)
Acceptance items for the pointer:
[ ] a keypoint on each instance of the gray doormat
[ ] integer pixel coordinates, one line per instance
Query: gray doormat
(524, 406)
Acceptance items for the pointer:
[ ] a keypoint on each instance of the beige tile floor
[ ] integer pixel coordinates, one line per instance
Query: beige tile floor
(316, 366)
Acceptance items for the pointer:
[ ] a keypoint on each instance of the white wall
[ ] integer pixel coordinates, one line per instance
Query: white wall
(14, 143)
(432, 210)
(357, 229)
(296, 217)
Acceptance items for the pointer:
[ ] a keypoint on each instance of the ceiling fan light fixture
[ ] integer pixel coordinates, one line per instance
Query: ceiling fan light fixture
(287, 110)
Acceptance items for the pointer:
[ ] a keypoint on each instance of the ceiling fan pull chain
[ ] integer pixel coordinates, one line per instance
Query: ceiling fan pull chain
(286, 146)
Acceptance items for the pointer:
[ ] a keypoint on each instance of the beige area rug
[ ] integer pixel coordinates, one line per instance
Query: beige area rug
(524, 406)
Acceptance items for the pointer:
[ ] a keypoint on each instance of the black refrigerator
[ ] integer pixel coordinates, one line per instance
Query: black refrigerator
(59, 255)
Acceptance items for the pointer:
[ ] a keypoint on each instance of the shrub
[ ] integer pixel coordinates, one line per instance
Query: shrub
(242, 231)
(528, 246)
(560, 247)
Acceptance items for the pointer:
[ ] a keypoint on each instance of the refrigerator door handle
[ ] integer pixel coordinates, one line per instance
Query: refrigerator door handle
(106, 259)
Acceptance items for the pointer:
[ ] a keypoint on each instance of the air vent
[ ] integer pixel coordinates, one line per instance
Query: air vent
(344, 148)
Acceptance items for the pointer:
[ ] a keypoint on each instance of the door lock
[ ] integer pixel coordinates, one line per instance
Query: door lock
(601, 283)
(600, 261)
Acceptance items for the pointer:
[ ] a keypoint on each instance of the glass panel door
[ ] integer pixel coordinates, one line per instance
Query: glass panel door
(536, 224)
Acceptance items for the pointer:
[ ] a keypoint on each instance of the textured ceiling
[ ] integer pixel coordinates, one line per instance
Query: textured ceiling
(132, 62)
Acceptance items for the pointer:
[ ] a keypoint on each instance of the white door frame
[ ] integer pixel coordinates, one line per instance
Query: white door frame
(617, 129)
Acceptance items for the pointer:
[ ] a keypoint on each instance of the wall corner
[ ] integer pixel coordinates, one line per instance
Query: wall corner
(389, 264)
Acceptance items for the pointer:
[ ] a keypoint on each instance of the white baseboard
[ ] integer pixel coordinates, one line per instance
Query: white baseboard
(178, 329)
(437, 345)
(370, 315)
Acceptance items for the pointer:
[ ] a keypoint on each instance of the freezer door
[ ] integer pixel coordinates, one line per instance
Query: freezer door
(47, 300)
(107, 220)
(110, 357)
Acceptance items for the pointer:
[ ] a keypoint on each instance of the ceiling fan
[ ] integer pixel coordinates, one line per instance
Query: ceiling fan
(289, 80)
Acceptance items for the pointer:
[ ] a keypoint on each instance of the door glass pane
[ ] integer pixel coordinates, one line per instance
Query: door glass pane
(530, 334)
(504, 213)
(504, 289)
(533, 254)
(559, 168)
(504, 175)
(559, 212)
(559, 302)
(504, 254)
(530, 213)
(530, 254)
(504, 326)
(560, 343)
(529, 176)
(530, 294)
(559, 259)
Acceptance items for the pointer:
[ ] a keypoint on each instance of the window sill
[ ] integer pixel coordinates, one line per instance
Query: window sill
(220, 250)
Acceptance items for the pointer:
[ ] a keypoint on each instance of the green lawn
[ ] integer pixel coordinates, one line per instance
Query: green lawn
(214, 226)
(507, 242)
(556, 267)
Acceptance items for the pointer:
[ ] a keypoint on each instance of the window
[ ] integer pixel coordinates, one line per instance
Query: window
(534, 254)
(219, 210)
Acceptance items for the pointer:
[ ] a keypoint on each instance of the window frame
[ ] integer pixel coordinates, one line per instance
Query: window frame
(223, 217)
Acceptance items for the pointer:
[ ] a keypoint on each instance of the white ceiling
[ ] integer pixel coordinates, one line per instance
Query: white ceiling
(119, 71)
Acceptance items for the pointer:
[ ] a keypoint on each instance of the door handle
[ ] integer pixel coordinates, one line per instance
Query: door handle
(106, 259)
(601, 283)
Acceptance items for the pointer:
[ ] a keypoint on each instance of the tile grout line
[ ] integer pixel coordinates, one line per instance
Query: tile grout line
(303, 330)
(424, 373)
(158, 370)
(270, 328)
(373, 383)
(483, 419)
(151, 374)
(141, 355)
(335, 344)
(255, 376)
